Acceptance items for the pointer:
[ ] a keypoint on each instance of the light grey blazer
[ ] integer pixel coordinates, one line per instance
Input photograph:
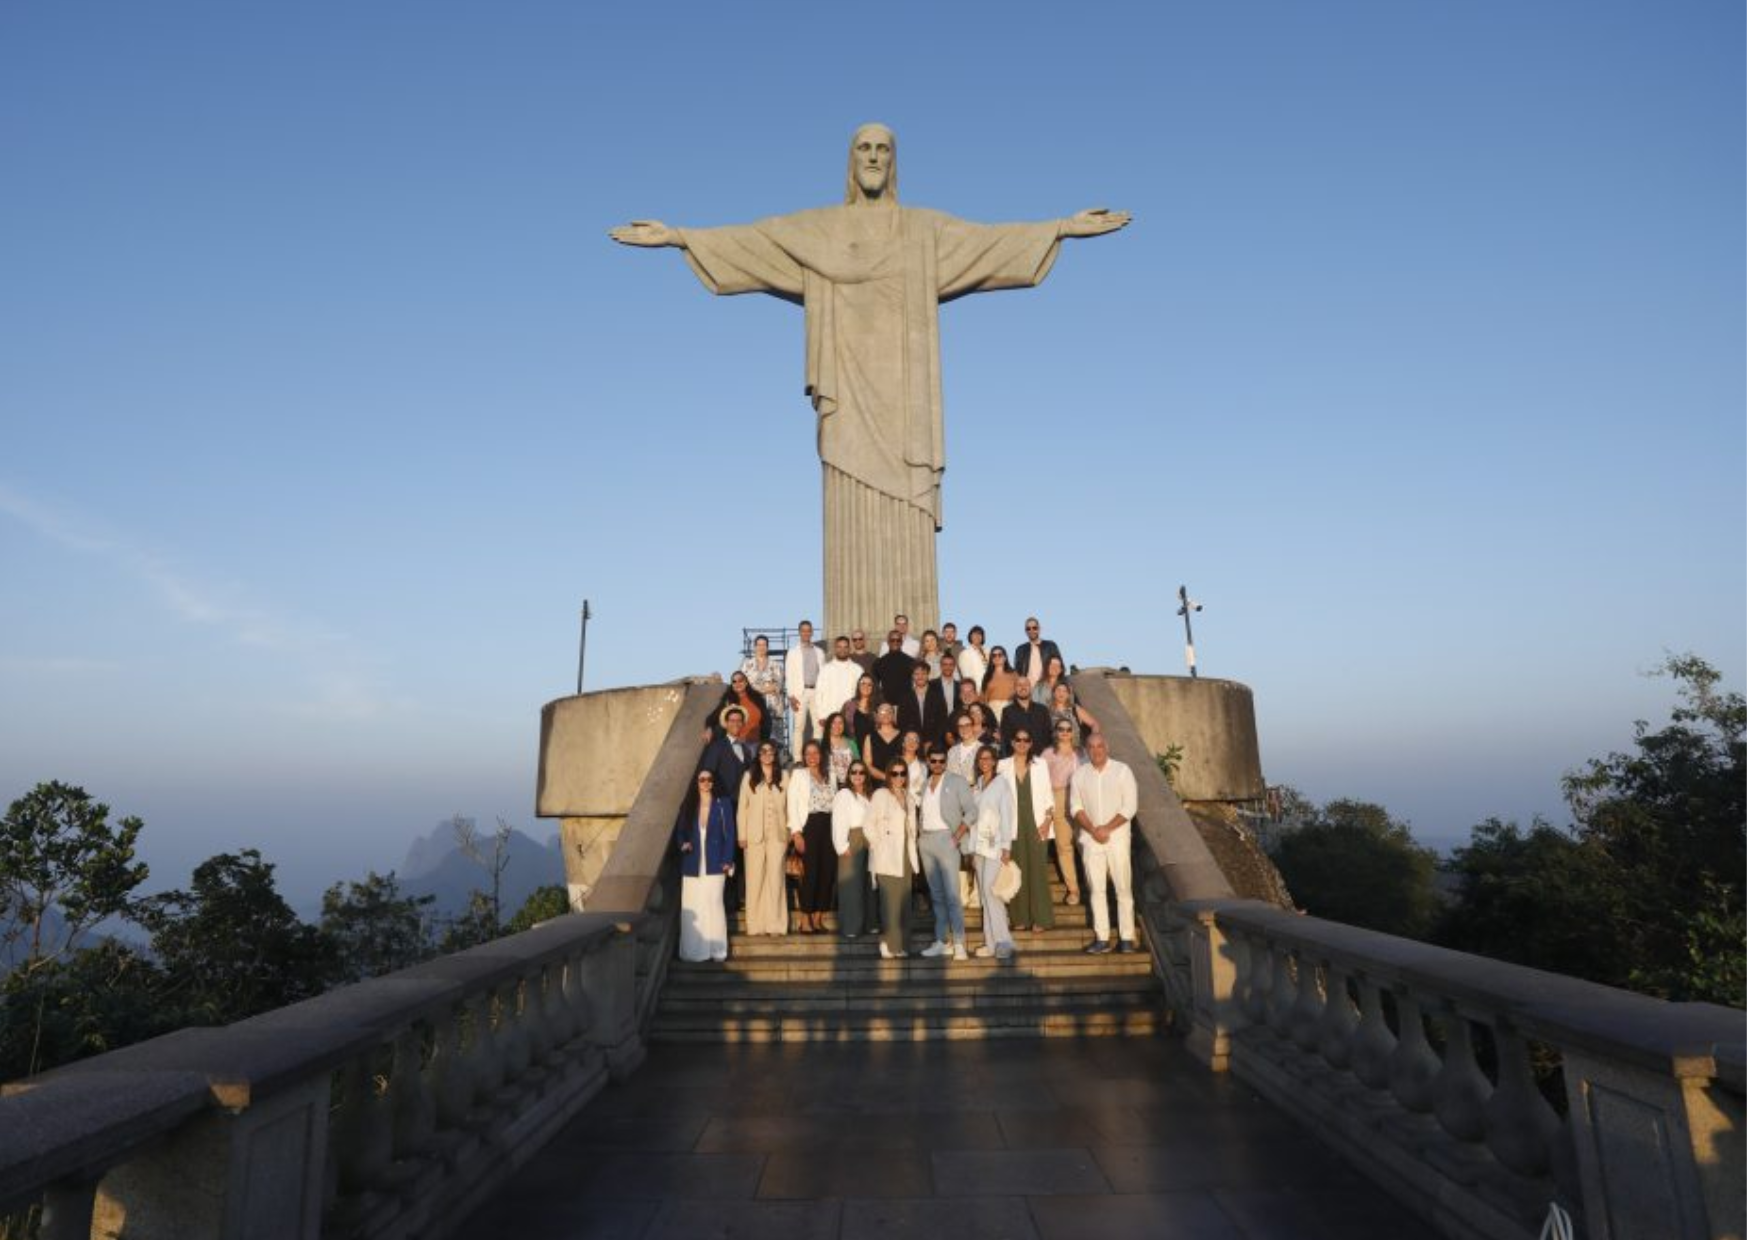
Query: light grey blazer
(959, 805)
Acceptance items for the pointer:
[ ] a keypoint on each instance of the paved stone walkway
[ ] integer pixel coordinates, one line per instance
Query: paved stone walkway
(1026, 1140)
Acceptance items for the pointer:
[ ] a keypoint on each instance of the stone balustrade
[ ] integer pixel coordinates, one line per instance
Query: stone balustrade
(388, 1108)
(378, 1109)
(1477, 1092)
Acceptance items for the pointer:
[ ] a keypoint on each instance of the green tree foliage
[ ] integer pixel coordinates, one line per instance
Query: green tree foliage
(1543, 898)
(1646, 890)
(231, 947)
(85, 1003)
(373, 928)
(1351, 862)
(63, 869)
(542, 904)
(479, 924)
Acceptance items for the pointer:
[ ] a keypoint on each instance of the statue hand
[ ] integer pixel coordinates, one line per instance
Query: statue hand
(1094, 223)
(646, 233)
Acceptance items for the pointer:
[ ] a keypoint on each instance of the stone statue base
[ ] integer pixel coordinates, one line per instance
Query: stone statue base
(879, 561)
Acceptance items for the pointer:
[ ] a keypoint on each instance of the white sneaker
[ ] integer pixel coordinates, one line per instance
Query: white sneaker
(984, 952)
(885, 951)
(959, 952)
(935, 950)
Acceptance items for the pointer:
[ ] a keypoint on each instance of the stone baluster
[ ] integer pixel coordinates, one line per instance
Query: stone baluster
(576, 999)
(543, 1029)
(1461, 1088)
(452, 1069)
(485, 1063)
(1283, 991)
(1521, 1126)
(1335, 1032)
(67, 1208)
(1413, 1065)
(412, 1094)
(1308, 1004)
(1258, 965)
(1373, 1044)
(516, 1038)
(362, 1128)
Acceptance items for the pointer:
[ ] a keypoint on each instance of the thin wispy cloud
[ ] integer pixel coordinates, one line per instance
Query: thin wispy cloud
(329, 662)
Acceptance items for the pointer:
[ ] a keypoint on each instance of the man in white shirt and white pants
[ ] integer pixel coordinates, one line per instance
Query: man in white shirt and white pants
(801, 667)
(1101, 800)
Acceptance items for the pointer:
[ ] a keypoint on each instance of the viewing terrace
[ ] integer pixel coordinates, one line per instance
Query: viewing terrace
(1293, 1077)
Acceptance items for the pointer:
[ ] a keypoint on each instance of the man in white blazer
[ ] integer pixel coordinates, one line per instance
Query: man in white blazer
(802, 664)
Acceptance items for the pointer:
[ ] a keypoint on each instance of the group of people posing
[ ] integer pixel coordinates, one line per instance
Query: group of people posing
(934, 763)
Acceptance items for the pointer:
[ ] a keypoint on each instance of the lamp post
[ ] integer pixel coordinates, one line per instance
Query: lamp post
(1186, 605)
(583, 645)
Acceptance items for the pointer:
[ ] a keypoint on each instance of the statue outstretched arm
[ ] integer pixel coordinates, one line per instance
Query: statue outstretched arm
(652, 233)
(1094, 223)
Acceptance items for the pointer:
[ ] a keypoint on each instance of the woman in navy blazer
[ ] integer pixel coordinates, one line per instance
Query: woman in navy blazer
(704, 833)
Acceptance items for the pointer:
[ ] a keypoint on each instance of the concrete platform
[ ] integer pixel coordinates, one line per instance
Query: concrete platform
(1027, 1140)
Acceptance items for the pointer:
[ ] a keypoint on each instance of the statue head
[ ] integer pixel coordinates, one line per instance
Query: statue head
(873, 174)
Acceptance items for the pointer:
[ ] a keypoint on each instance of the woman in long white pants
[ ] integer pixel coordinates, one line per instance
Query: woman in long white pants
(996, 818)
(704, 833)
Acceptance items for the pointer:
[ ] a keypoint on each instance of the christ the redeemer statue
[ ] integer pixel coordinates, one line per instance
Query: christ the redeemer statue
(870, 275)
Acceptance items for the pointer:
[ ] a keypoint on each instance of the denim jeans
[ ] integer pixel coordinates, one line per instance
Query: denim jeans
(940, 858)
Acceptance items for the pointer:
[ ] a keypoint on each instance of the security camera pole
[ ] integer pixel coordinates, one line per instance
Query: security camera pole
(1186, 605)
(582, 646)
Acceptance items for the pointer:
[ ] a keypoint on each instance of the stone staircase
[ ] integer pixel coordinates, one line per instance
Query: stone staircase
(823, 988)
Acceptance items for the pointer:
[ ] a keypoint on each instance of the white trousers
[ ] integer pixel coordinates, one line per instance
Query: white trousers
(799, 725)
(703, 919)
(1110, 861)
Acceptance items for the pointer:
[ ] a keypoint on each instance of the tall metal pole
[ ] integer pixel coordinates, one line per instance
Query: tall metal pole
(1186, 605)
(582, 646)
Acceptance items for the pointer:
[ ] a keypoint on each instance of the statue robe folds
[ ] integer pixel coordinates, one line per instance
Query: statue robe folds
(871, 279)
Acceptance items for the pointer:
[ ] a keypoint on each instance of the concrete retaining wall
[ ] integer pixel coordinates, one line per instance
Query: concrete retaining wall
(1214, 721)
(595, 751)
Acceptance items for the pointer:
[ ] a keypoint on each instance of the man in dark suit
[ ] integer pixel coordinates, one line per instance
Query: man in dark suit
(727, 759)
(921, 708)
(948, 684)
(1023, 715)
(1032, 656)
(892, 669)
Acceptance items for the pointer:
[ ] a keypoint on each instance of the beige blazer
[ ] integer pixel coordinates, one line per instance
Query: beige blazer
(764, 813)
(891, 831)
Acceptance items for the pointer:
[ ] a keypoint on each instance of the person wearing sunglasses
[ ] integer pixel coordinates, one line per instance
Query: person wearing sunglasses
(946, 817)
(812, 794)
(993, 842)
(1034, 814)
(850, 841)
(892, 857)
(1060, 760)
(704, 832)
(763, 820)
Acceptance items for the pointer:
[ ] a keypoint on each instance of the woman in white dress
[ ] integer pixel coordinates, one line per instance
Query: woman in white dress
(993, 843)
(705, 834)
(892, 857)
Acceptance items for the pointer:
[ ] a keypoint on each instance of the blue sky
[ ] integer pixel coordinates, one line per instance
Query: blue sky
(325, 400)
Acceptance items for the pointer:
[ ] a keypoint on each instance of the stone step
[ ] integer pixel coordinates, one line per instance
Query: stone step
(959, 995)
(1085, 1021)
(742, 970)
(834, 946)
